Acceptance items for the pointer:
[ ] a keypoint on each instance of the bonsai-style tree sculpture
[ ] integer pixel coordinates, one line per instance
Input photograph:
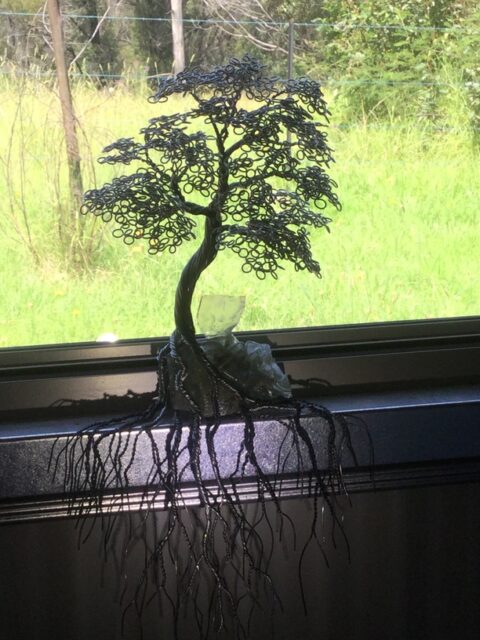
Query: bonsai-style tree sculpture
(228, 165)
(220, 164)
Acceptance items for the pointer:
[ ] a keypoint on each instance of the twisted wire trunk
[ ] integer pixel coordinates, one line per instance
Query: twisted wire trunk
(192, 271)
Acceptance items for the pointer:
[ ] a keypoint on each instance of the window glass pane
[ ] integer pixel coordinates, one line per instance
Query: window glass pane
(403, 89)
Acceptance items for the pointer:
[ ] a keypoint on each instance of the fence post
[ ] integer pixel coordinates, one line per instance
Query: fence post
(291, 44)
(177, 36)
(71, 234)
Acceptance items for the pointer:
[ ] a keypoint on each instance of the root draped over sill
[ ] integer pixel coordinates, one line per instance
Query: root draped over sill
(210, 560)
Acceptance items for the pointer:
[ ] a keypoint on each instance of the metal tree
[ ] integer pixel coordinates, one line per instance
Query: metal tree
(228, 179)
(221, 162)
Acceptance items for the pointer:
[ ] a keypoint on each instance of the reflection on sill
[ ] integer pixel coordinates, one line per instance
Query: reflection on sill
(419, 438)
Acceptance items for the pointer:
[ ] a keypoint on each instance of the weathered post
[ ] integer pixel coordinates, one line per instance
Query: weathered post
(177, 36)
(71, 227)
(291, 44)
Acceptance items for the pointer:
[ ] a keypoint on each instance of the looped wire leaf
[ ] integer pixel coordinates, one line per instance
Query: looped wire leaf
(229, 160)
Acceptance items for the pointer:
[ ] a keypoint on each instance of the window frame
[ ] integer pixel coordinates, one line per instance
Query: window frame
(418, 376)
(351, 358)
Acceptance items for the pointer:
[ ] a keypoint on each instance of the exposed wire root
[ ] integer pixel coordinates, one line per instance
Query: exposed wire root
(211, 560)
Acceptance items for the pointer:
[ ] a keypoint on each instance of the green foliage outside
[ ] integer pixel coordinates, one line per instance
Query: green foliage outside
(398, 59)
(405, 128)
(384, 58)
(404, 246)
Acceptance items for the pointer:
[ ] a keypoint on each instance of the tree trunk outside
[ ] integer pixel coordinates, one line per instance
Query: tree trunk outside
(177, 36)
(72, 231)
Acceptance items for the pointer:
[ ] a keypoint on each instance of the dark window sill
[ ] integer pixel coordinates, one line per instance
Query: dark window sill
(414, 386)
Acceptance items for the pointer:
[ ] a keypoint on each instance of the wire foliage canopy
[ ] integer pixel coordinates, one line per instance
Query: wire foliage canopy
(223, 160)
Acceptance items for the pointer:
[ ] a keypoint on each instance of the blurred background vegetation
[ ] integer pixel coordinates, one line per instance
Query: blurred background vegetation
(402, 79)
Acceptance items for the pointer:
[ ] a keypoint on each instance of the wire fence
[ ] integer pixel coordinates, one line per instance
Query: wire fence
(31, 161)
(7, 69)
(318, 24)
(328, 82)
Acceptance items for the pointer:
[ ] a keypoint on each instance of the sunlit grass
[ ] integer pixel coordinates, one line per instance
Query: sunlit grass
(406, 244)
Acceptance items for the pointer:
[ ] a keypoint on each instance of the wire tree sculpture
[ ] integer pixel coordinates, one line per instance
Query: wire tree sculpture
(218, 164)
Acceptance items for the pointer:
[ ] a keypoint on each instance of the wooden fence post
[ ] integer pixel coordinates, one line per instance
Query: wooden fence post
(291, 46)
(177, 35)
(71, 233)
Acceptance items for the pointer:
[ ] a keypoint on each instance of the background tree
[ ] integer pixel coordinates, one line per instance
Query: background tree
(152, 39)
(395, 59)
(229, 177)
(92, 41)
(387, 56)
(251, 21)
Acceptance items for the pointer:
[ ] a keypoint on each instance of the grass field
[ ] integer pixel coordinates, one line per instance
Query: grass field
(406, 244)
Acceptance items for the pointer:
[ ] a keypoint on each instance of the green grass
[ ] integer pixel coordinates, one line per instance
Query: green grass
(405, 246)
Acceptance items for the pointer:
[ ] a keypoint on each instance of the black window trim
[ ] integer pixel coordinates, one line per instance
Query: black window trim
(348, 358)
(416, 384)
